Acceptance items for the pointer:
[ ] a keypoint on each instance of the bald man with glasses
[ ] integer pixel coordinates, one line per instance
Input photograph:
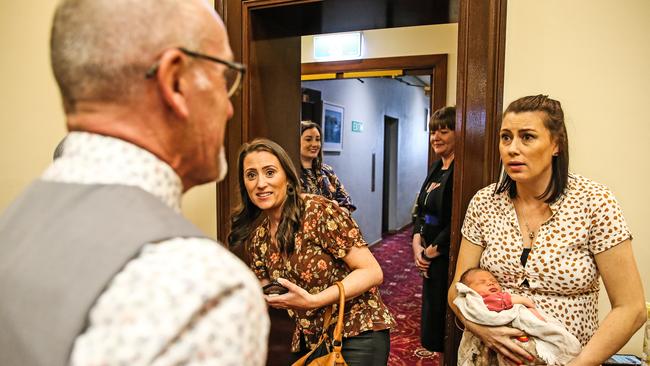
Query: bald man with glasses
(97, 266)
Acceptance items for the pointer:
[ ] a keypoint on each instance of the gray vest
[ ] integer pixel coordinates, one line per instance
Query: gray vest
(60, 245)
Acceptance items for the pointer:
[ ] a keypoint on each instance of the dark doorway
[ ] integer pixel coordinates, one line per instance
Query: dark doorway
(390, 171)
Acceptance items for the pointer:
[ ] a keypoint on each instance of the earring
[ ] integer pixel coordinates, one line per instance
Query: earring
(290, 190)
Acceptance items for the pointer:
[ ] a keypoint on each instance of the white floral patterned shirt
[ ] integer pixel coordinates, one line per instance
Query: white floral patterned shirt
(182, 301)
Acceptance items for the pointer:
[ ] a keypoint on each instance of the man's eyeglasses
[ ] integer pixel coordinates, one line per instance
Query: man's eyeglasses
(233, 74)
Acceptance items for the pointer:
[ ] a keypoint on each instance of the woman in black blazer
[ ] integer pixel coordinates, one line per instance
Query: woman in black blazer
(432, 227)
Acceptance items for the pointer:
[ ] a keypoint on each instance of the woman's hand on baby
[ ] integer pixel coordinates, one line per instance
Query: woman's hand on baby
(499, 339)
(296, 298)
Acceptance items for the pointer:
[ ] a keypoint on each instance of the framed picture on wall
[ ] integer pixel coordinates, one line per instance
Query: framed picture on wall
(332, 127)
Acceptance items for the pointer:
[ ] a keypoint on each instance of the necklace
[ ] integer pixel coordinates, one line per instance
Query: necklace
(531, 233)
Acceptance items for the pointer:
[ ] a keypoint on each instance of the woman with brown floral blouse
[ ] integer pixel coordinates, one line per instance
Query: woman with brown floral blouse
(307, 243)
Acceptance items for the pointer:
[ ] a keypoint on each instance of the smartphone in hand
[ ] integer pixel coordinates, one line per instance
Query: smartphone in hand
(274, 288)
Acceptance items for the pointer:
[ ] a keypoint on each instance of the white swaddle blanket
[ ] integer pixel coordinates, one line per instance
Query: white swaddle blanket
(554, 343)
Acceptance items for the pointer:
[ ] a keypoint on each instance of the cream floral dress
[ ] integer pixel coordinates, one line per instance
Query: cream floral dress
(561, 271)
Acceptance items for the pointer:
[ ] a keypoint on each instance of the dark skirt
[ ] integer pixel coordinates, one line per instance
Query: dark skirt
(434, 305)
(370, 348)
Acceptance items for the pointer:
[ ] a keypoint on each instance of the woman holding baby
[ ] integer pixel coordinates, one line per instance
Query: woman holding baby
(548, 235)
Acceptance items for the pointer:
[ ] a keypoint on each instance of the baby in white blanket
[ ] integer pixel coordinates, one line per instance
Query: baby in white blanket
(482, 301)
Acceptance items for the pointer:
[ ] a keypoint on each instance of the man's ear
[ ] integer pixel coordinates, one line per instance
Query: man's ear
(171, 81)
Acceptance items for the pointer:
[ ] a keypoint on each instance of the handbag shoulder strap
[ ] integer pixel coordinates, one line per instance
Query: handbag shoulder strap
(327, 317)
(338, 331)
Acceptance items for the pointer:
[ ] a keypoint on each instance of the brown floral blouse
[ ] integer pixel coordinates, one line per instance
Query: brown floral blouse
(326, 235)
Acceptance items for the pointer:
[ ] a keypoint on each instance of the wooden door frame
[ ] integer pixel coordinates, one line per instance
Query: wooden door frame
(479, 102)
(437, 64)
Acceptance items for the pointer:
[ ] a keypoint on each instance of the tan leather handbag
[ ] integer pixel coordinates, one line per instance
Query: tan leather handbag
(331, 356)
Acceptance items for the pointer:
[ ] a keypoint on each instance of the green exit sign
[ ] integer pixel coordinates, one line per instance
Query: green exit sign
(357, 126)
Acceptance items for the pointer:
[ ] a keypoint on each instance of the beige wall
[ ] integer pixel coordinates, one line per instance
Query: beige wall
(31, 116)
(407, 41)
(593, 56)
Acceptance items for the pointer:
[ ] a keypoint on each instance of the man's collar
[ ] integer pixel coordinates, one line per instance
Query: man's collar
(90, 158)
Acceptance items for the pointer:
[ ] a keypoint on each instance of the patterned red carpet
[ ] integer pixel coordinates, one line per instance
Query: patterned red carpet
(402, 292)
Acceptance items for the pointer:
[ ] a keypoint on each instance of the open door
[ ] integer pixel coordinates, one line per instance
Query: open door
(264, 34)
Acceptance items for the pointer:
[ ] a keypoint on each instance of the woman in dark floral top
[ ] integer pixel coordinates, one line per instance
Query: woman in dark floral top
(315, 176)
(307, 243)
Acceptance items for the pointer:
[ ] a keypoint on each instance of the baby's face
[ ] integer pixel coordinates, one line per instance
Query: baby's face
(483, 282)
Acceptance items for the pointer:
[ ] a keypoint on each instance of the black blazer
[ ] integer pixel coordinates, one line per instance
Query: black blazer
(443, 206)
